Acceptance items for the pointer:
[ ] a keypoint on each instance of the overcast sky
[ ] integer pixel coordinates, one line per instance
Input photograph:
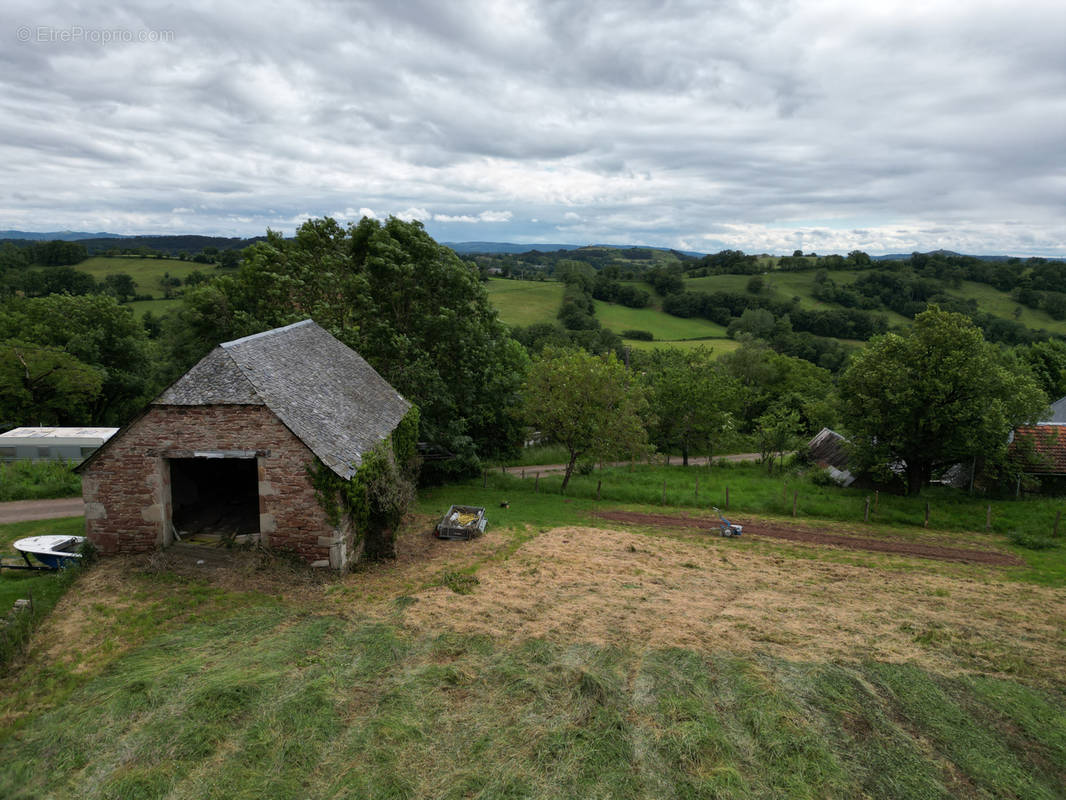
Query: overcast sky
(823, 125)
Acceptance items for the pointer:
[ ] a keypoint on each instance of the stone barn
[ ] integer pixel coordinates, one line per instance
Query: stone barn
(226, 449)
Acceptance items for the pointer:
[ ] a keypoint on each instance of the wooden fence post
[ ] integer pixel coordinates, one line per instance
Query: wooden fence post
(523, 474)
(866, 512)
(926, 523)
(988, 518)
(795, 497)
(599, 483)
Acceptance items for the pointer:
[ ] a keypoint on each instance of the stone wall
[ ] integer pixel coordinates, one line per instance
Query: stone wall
(126, 486)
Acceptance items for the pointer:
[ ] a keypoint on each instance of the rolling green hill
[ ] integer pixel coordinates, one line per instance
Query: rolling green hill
(662, 326)
(525, 302)
(146, 272)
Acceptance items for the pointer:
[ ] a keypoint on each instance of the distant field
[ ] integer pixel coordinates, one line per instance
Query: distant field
(716, 346)
(525, 302)
(145, 271)
(157, 307)
(662, 326)
(1001, 304)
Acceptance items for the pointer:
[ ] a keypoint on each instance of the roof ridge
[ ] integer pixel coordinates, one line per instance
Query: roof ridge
(261, 334)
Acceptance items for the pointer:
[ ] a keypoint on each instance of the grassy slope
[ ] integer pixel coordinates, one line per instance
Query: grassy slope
(717, 346)
(662, 326)
(44, 587)
(191, 690)
(785, 286)
(999, 303)
(145, 271)
(525, 302)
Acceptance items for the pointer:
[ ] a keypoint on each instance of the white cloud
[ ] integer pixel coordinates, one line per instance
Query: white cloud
(413, 213)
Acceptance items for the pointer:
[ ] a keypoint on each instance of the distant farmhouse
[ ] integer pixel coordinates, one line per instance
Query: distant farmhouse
(226, 448)
(52, 444)
(1041, 449)
(828, 449)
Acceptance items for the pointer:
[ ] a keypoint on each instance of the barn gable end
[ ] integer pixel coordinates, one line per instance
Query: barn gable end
(229, 444)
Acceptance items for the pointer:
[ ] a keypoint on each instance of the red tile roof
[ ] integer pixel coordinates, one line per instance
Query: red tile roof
(1048, 443)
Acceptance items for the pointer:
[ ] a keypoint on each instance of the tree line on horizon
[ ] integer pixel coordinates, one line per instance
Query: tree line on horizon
(421, 316)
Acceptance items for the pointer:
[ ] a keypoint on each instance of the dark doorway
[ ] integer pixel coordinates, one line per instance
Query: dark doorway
(215, 495)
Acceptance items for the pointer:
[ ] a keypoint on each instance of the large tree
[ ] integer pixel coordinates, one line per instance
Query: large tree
(935, 396)
(693, 400)
(408, 305)
(96, 331)
(45, 386)
(592, 405)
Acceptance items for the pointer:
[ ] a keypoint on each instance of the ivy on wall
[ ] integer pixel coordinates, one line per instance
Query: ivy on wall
(375, 499)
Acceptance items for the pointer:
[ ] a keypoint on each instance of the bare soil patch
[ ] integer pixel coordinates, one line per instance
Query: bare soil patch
(800, 533)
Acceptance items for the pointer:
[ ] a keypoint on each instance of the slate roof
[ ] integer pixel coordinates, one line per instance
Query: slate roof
(1058, 413)
(321, 389)
(829, 447)
(1049, 446)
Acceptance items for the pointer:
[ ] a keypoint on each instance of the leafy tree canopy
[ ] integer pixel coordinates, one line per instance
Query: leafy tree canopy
(935, 396)
(693, 400)
(96, 331)
(45, 386)
(408, 305)
(591, 405)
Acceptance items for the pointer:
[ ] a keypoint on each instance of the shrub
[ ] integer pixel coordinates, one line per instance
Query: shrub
(632, 333)
(38, 480)
(1031, 541)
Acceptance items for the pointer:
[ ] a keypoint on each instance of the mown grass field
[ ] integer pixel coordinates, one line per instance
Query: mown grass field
(717, 346)
(663, 327)
(557, 656)
(525, 302)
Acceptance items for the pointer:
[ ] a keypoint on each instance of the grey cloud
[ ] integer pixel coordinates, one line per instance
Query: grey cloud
(729, 123)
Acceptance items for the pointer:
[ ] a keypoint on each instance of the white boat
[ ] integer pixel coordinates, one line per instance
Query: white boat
(52, 551)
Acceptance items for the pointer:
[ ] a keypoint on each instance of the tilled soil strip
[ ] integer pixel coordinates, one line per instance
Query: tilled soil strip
(798, 533)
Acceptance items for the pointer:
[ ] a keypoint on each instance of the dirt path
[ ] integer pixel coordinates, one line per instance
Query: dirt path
(675, 461)
(799, 533)
(25, 510)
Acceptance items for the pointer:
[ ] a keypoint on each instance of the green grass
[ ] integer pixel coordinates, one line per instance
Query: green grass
(958, 519)
(716, 346)
(198, 690)
(525, 302)
(157, 307)
(273, 703)
(662, 326)
(44, 588)
(784, 286)
(146, 272)
(993, 301)
(37, 480)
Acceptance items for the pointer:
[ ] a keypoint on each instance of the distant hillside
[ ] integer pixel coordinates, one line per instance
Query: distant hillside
(65, 236)
(506, 247)
(169, 245)
(906, 256)
(510, 248)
